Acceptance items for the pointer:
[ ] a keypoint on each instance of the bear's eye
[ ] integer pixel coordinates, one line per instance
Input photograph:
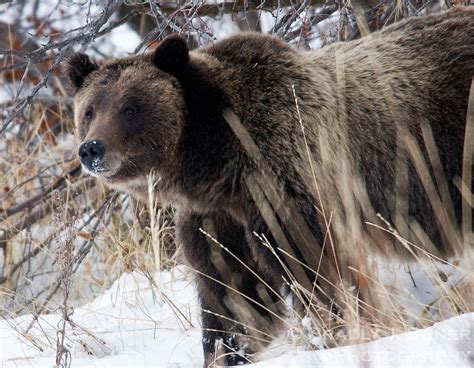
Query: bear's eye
(88, 114)
(129, 111)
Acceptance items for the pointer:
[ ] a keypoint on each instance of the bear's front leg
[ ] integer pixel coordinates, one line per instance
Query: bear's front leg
(239, 313)
(221, 347)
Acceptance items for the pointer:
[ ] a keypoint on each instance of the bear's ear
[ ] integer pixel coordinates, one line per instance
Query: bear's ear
(172, 55)
(78, 67)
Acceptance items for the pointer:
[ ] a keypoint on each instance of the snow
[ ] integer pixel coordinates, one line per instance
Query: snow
(140, 322)
(129, 325)
(446, 344)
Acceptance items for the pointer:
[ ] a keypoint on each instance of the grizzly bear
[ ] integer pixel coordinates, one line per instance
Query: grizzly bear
(269, 154)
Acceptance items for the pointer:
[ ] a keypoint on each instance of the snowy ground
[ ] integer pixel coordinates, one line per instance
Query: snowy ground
(133, 325)
(130, 325)
(446, 344)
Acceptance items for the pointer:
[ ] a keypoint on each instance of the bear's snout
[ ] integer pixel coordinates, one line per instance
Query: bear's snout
(91, 154)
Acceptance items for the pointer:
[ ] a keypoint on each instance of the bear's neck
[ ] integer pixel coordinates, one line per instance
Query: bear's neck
(207, 160)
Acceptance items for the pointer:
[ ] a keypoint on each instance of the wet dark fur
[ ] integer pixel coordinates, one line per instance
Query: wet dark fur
(413, 73)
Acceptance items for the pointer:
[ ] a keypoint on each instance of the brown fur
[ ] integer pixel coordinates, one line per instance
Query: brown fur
(357, 101)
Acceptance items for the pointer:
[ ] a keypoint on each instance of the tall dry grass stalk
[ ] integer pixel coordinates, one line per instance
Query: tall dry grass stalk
(64, 233)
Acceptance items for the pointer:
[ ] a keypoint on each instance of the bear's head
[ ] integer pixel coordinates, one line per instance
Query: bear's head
(129, 112)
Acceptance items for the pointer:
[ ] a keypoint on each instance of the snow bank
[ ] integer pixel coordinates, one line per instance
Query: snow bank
(136, 324)
(131, 325)
(446, 344)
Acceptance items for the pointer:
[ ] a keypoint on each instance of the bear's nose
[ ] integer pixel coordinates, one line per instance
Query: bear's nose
(91, 154)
